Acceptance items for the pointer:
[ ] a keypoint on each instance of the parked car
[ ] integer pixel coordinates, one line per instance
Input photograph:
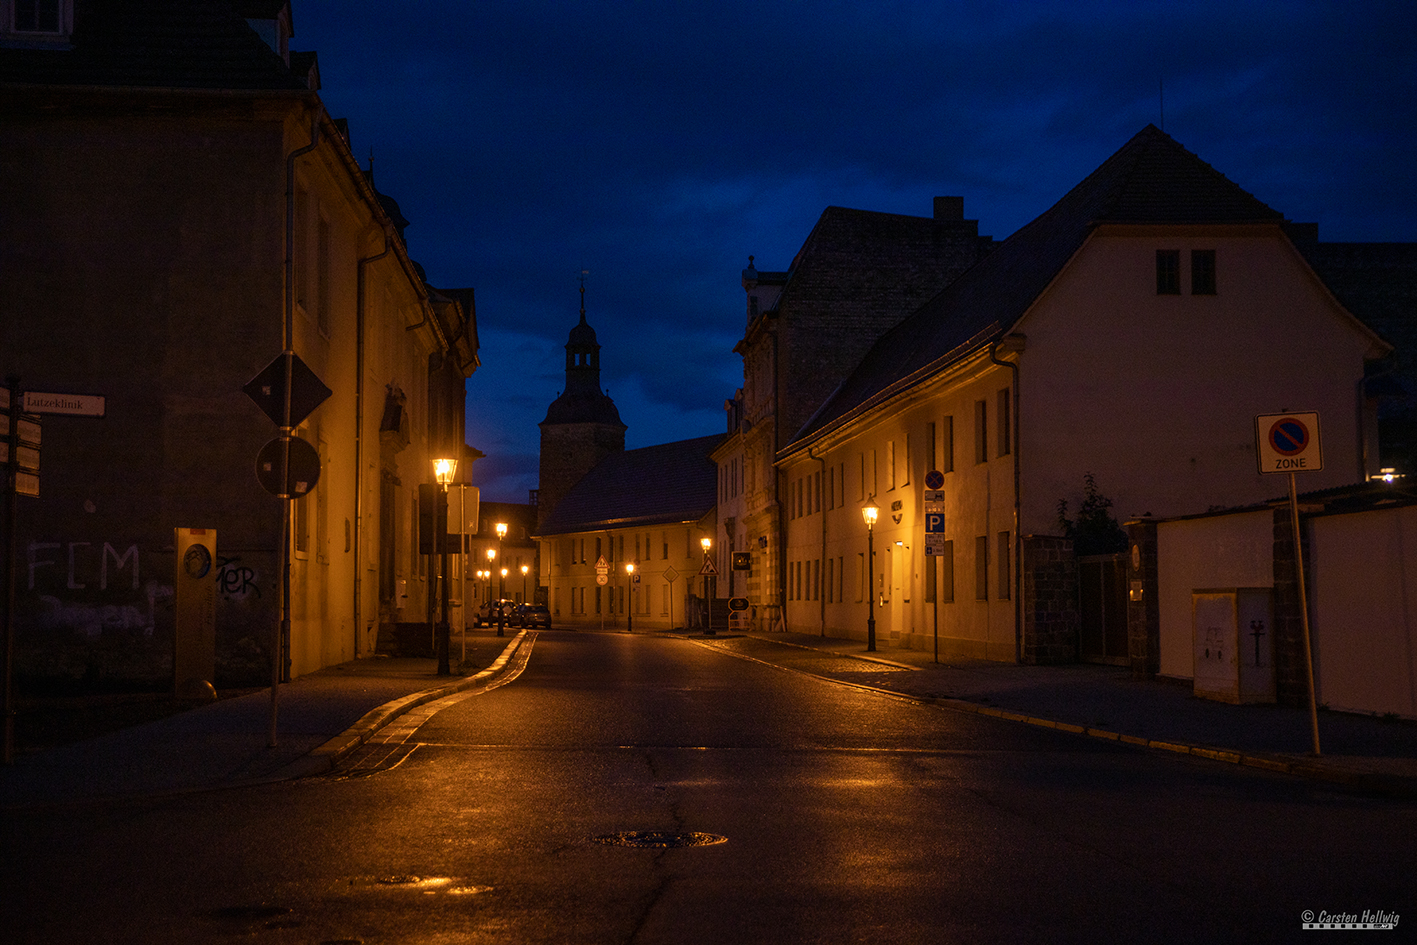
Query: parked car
(488, 612)
(532, 615)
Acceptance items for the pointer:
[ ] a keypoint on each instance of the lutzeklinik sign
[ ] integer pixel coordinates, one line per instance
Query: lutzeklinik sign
(1288, 443)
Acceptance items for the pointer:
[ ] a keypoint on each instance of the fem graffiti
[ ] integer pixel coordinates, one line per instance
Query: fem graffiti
(46, 569)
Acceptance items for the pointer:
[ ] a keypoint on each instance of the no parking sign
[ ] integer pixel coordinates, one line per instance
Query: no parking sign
(1288, 443)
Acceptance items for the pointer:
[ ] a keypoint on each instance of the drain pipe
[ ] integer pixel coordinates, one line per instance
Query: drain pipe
(1014, 344)
(821, 598)
(361, 299)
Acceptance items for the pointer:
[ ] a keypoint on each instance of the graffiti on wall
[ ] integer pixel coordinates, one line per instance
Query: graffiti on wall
(236, 581)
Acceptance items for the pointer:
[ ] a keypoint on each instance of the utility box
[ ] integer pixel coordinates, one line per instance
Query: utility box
(194, 606)
(1233, 632)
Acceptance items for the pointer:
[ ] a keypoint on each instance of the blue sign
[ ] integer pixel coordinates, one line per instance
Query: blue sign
(934, 522)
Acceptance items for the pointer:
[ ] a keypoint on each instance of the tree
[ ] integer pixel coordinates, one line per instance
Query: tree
(1095, 531)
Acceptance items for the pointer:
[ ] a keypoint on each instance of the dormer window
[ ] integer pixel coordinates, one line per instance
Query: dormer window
(37, 22)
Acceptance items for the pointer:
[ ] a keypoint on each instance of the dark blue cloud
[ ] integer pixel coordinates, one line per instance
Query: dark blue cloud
(659, 144)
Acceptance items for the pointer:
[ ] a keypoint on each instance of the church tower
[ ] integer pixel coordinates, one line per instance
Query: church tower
(582, 426)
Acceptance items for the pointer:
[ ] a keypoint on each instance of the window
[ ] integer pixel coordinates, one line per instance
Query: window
(947, 445)
(1005, 590)
(981, 431)
(831, 576)
(38, 22)
(860, 576)
(1168, 272)
(905, 470)
(981, 568)
(890, 465)
(1005, 433)
(1202, 272)
(322, 277)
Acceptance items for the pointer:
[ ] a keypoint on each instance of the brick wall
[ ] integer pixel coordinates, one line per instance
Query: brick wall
(1050, 600)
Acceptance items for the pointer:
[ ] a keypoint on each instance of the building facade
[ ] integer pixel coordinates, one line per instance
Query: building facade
(857, 275)
(1127, 338)
(177, 214)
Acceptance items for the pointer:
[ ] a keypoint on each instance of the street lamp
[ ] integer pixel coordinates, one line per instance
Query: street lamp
(501, 608)
(502, 585)
(707, 543)
(525, 569)
(443, 472)
(870, 511)
(630, 585)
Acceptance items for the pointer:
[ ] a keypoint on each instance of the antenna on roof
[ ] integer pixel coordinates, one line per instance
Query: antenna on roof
(584, 273)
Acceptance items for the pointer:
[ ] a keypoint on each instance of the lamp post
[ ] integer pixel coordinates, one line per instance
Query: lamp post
(525, 569)
(869, 512)
(706, 543)
(630, 588)
(501, 608)
(443, 471)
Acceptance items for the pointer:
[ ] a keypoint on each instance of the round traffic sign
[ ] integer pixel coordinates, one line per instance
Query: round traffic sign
(288, 467)
(602, 579)
(934, 479)
(1288, 436)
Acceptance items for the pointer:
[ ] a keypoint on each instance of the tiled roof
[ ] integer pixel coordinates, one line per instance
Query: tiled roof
(191, 44)
(1151, 179)
(672, 482)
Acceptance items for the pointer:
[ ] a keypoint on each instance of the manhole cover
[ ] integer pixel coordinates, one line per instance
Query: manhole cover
(661, 838)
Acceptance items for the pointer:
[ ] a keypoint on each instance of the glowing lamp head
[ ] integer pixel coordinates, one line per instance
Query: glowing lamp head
(501, 530)
(629, 567)
(870, 512)
(525, 569)
(504, 572)
(707, 543)
(444, 470)
(491, 554)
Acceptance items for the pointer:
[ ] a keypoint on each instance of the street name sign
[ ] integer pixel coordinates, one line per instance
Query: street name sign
(73, 405)
(1288, 442)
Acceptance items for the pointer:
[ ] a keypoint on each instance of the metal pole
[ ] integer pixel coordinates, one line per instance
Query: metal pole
(441, 517)
(281, 626)
(1304, 611)
(7, 572)
(871, 589)
(462, 560)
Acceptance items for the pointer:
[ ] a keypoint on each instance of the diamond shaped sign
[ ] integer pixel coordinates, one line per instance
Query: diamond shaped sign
(267, 389)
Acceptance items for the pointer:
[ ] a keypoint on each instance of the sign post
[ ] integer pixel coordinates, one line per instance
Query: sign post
(1289, 443)
(934, 500)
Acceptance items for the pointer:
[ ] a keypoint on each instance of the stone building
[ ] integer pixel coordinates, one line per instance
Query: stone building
(582, 426)
(856, 276)
(177, 200)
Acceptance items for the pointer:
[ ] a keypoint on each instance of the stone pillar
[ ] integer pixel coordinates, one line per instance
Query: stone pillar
(1050, 600)
(1143, 604)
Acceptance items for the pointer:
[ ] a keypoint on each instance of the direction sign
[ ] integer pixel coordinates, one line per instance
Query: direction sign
(934, 479)
(934, 545)
(267, 389)
(292, 480)
(74, 405)
(742, 561)
(1288, 442)
(738, 603)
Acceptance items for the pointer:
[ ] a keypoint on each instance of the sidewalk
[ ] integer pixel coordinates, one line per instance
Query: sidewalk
(320, 717)
(1368, 753)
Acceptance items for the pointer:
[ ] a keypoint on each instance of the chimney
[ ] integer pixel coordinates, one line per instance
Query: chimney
(949, 208)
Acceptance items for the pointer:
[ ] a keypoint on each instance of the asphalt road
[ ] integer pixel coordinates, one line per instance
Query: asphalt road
(843, 816)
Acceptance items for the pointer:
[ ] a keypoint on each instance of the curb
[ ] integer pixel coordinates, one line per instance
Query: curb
(1367, 781)
(372, 721)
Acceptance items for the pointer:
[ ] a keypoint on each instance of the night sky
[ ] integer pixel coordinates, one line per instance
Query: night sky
(657, 145)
